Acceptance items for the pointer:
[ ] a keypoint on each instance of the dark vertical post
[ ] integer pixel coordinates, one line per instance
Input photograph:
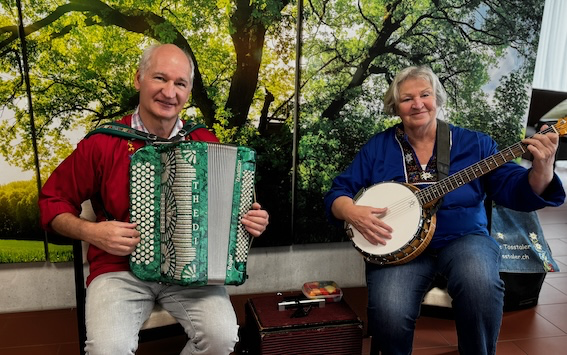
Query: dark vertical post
(80, 293)
(30, 109)
(296, 113)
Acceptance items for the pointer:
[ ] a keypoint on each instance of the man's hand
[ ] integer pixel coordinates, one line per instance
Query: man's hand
(117, 238)
(256, 220)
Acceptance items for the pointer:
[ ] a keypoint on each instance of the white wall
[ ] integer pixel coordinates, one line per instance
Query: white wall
(41, 286)
(551, 67)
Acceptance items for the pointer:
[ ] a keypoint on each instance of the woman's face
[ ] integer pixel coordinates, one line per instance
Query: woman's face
(417, 106)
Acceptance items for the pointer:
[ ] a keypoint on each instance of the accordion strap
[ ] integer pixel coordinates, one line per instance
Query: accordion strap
(125, 131)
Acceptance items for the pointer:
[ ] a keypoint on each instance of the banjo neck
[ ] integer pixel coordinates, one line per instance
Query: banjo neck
(432, 193)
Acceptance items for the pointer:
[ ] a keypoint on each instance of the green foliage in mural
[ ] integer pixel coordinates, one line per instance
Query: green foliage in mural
(27, 251)
(19, 214)
(83, 54)
(353, 49)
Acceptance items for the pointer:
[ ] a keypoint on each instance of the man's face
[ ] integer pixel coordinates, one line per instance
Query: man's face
(165, 85)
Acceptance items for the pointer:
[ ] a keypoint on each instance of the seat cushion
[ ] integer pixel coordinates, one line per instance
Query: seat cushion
(159, 318)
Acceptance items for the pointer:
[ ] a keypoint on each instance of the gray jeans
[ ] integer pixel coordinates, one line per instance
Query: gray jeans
(118, 304)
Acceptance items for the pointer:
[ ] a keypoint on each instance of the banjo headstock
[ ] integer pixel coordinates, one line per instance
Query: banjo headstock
(561, 126)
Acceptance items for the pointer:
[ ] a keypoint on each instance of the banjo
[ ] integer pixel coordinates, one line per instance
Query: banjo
(411, 211)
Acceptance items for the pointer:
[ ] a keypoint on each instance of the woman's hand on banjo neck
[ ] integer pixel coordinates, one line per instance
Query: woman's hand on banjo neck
(367, 220)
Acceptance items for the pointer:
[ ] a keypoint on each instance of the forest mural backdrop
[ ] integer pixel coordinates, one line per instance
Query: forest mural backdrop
(82, 56)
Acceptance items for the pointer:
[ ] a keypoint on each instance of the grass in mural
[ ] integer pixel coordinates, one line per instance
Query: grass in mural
(27, 251)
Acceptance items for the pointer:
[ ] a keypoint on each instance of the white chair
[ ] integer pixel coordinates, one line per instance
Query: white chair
(438, 295)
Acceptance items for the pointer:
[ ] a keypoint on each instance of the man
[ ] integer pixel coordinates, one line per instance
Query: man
(117, 302)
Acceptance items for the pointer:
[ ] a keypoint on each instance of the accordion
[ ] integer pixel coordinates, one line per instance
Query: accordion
(187, 199)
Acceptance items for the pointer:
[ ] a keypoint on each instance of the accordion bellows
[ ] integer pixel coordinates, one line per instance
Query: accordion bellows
(188, 198)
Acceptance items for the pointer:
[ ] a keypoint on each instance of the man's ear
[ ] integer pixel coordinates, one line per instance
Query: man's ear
(137, 80)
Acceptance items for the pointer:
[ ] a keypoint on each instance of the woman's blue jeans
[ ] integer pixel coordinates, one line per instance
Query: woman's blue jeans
(471, 266)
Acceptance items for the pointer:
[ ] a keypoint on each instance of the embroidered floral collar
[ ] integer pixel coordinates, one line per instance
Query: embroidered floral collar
(414, 173)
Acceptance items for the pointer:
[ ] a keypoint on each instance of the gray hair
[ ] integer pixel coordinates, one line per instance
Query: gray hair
(147, 55)
(392, 97)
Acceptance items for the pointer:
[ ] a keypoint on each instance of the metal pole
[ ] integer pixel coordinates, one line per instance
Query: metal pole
(30, 109)
(296, 113)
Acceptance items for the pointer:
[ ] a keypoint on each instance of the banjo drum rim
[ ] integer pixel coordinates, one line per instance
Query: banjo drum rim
(412, 247)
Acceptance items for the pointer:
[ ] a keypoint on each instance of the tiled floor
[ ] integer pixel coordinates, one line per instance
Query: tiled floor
(535, 331)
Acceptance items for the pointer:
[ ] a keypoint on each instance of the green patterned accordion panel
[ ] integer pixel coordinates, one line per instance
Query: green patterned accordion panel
(187, 199)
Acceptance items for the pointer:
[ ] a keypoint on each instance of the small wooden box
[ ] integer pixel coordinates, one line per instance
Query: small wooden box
(331, 329)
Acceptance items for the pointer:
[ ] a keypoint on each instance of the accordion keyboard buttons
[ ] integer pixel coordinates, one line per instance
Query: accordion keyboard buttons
(142, 212)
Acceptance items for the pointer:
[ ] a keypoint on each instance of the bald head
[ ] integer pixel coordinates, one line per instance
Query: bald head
(166, 50)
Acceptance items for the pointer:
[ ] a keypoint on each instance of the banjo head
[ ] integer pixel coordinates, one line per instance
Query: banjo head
(405, 215)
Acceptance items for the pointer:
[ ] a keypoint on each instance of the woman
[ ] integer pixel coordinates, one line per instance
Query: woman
(461, 249)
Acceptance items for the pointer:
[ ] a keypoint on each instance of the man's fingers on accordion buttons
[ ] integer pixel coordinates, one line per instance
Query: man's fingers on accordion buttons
(254, 232)
(256, 222)
(259, 216)
(253, 228)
